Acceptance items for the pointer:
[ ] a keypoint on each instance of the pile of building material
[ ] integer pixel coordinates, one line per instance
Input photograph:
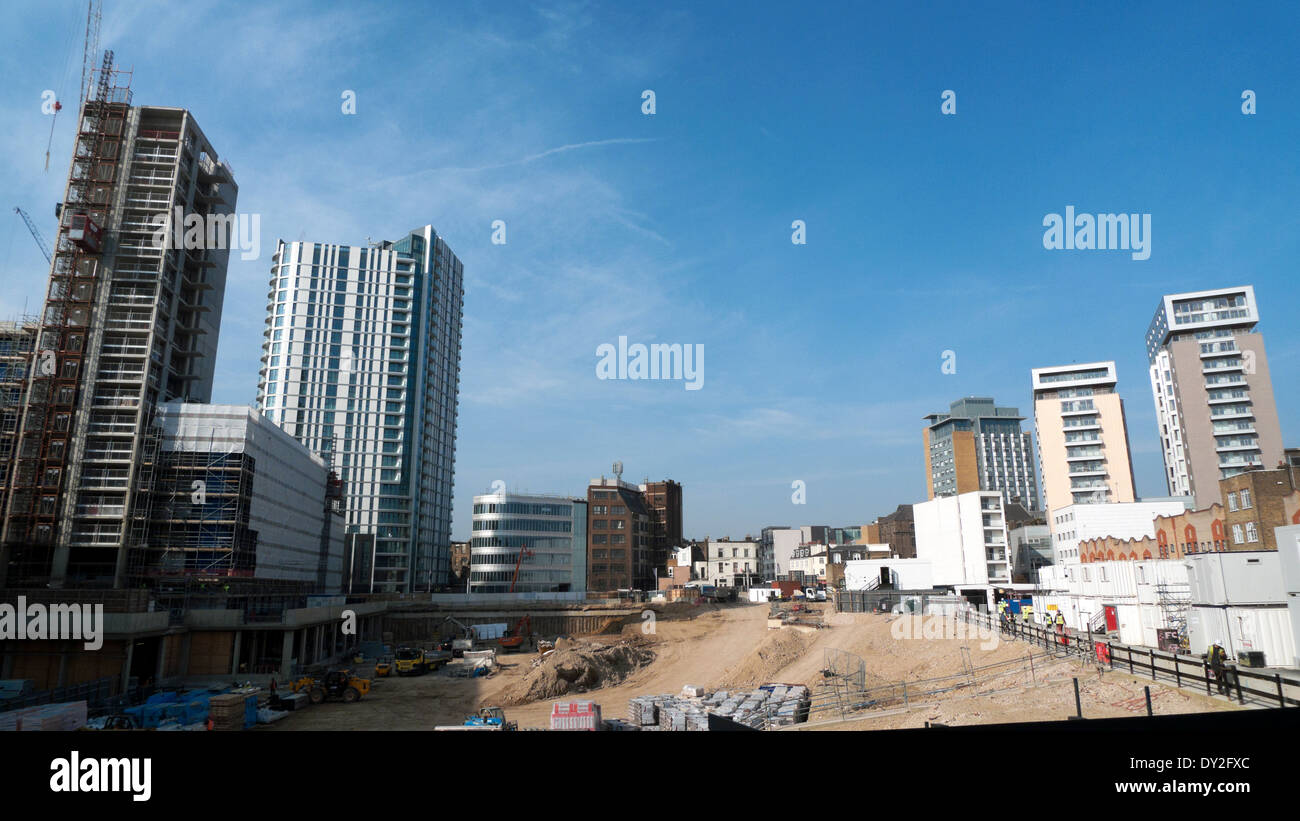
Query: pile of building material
(473, 664)
(794, 616)
(69, 715)
(576, 715)
(771, 705)
(233, 711)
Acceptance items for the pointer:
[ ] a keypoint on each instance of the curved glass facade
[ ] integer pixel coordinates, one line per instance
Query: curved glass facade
(553, 528)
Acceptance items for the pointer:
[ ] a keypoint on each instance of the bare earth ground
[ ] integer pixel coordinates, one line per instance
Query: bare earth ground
(731, 646)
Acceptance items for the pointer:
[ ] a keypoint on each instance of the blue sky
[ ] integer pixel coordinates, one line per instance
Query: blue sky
(924, 231)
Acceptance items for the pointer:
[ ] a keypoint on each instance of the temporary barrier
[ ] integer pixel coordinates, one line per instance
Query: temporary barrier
(575, 715)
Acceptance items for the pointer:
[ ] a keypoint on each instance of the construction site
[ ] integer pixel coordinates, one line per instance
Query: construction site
(854, 672)
(683, 665)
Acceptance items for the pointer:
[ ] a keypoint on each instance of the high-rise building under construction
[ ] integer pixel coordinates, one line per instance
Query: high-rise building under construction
(128, 322)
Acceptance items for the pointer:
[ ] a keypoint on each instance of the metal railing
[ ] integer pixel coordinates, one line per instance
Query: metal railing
(1269, 689)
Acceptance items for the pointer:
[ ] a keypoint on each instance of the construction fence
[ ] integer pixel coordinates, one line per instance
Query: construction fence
(1260, 687)
(837, 699)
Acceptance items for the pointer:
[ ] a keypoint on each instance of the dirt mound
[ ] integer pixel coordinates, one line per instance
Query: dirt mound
(778, 651)
(577, 666)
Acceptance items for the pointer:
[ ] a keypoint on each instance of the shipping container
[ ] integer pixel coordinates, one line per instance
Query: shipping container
(1244, 629)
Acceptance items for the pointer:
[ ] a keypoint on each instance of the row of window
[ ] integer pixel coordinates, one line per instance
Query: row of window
(1245, 501)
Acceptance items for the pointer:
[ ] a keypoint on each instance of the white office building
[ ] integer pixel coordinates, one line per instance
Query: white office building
(964, 539)
(553, 531)
(361, 363)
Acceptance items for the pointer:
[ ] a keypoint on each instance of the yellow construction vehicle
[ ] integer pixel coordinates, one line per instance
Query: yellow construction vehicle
(409, 661)
(338, 685)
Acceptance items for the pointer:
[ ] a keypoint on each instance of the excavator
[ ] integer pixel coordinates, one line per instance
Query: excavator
(515, 641)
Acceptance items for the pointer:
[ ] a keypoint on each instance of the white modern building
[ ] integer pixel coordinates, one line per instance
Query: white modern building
(361, 363)
(1121, 520)
(552, 528)
(237, 497)
(964, 538)
(1212, 390)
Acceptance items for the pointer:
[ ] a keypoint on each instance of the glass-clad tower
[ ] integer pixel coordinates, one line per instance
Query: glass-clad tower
(361, 363)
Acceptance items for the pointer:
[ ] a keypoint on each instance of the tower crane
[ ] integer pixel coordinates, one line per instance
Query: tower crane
(94, 14)
(36, 235)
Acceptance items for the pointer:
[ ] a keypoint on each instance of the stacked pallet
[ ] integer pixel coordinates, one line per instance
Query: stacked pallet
(643, 711)
(227, 712)
(771, 704)
(69, 715)
(766, 706)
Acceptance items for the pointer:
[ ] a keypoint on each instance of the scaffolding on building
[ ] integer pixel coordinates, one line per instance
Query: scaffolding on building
(200, 523)
(17, 344)
(1174, 600)
(47, 448)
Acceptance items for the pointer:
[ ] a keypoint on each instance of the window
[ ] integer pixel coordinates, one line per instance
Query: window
(1236, 534)
(1232, 501)
(1245, 498)
(1252, 532)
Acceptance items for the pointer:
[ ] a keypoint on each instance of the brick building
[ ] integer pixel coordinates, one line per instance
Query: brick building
(1255, 502)
(664, 501)
(897, 529)
(618, 537)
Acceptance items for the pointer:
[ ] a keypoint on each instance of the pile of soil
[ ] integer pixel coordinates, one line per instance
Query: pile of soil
(761, 666)
(577, 666)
